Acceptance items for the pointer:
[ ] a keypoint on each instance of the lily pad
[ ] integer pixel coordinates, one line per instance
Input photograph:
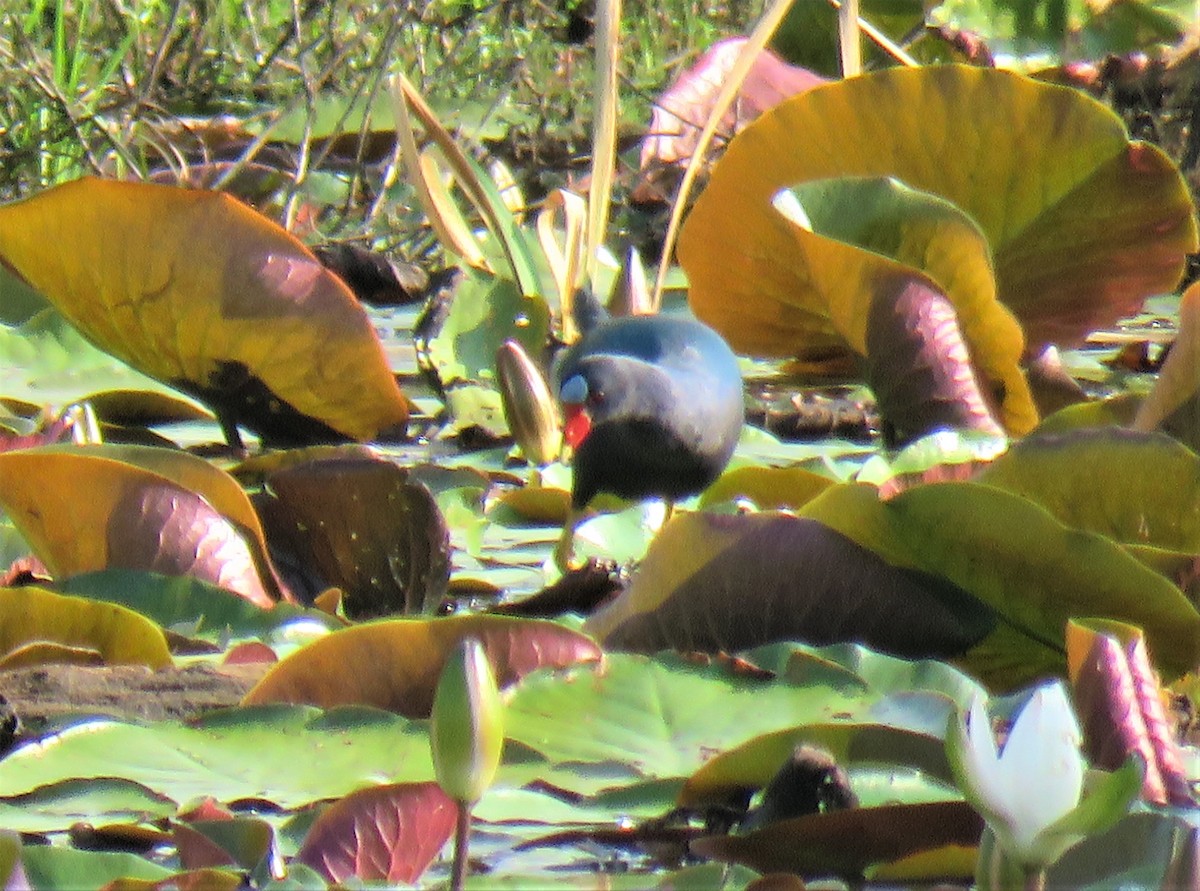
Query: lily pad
(395, 664)
(134, 519)
(199, 291)
(32, 615)
(1082, 223)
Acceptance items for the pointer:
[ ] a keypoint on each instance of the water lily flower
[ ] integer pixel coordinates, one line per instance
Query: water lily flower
(1030, 792)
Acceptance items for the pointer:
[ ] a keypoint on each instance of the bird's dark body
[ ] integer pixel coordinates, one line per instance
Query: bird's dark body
(666, 407)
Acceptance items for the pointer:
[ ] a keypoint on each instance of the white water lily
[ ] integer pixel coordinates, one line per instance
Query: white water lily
(1030, 785)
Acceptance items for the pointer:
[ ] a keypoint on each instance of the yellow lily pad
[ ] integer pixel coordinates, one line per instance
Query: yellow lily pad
(197, 290)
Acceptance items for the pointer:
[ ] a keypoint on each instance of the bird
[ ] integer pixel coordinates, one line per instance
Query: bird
(652, 408)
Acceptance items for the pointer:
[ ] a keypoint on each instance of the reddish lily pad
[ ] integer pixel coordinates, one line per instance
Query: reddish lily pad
(1120, 704)
(197, 290)
(382, 833)
(876, 254)
(680, 595)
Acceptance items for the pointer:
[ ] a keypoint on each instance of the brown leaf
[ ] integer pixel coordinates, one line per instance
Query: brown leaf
(383, 833)
(395, 664)
(711, 582)
(919, 366)
(1120, 703)
(847, 842)
(373, 277)
(362, 525)
(681, 112)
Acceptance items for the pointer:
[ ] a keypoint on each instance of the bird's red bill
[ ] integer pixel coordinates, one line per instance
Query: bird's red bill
(577, 426)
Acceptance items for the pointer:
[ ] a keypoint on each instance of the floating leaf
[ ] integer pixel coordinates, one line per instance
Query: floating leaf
(289, 755)
(1120, 702)
(847, 842)
(680, 595)
(58, 806)
(382, 833)
(1096, 224)
(1137, 488)
(211, 612)
(1037, 574)
(395, 664)
(363, 526)
(659, 717)
(46, 361)
(129, 518)
(33, 615)
(751, 765)
(771, 488)
(197, 290)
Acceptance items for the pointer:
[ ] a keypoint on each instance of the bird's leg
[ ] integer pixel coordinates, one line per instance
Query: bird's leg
(564, 551)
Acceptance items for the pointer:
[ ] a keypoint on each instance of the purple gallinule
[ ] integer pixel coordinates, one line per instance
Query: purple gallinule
(652, 408)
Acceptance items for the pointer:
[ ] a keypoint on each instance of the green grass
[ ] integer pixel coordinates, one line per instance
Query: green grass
(105, 85)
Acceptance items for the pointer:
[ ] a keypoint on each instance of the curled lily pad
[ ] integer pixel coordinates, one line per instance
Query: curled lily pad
(82, 511)
(197, 290)
(1082, 223)
(868, 246)
(120, 636)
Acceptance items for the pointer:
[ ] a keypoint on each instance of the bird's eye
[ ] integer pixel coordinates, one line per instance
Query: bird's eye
(596, 397)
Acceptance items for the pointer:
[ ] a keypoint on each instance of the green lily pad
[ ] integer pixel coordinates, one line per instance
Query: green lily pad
(290, 755)
(659, 716)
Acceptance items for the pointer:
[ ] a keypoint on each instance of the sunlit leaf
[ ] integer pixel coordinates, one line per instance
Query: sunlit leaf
(395, 664)
(289, 755)
(1138, 488)
(681, 594)
(1037, 574)
(172, 600)
(57, 806)
(1120, 704)
(874, 253)
(771, 488)
(382, 833)
(197, 290)
(459, 338)
(46, 361)
(1083, 224)
(82, 512)
(33, 615)
(54, 866)
(660, 717)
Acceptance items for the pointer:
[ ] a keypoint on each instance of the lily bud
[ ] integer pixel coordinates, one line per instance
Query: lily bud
(528, 406)
(466, 734)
